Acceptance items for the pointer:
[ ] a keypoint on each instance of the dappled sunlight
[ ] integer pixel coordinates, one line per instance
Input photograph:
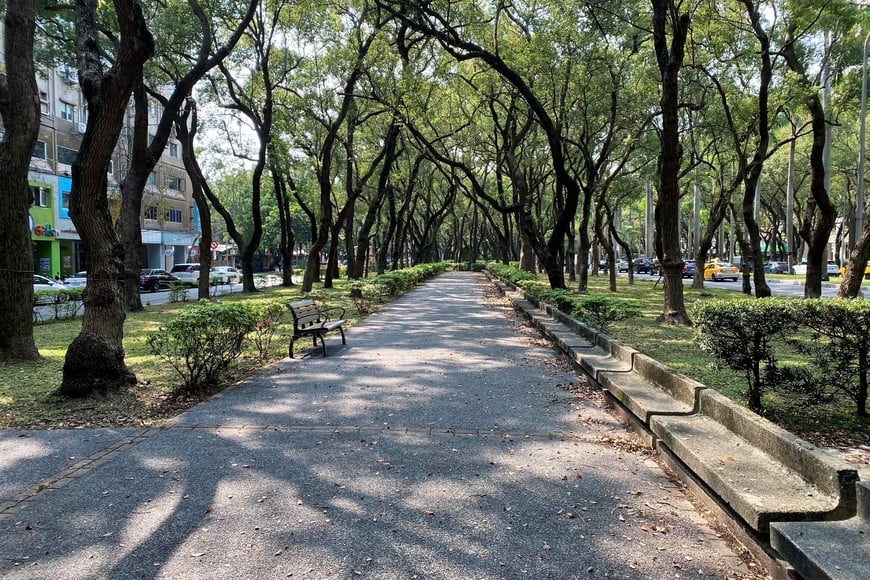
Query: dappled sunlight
(24, 448)
(146, 520)
(437, 443)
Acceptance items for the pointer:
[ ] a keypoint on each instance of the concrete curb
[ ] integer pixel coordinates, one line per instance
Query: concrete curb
(828, 549)
(757, 472)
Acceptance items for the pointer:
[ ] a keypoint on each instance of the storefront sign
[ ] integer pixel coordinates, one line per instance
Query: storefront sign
(45, 230)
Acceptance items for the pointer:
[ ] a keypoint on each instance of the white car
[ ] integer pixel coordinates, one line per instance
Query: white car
(76, 280)
(43, 283)
(832, 269)
(224, 275)
(187, 273)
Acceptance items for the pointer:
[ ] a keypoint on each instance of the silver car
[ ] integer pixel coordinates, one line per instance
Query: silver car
(76, 280)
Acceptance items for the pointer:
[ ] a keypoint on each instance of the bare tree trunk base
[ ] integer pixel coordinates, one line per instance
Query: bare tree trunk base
(92, 366)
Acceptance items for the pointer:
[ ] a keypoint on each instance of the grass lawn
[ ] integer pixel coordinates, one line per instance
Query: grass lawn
(824, 424)
(27, 396)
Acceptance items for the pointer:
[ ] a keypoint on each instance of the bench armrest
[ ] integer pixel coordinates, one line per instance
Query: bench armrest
(326, 313)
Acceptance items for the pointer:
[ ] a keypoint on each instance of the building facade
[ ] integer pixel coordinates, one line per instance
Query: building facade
(169, 220)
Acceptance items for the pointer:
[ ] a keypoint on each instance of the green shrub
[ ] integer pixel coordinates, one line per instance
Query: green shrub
(602, 311)
(839, 348)
(202, 341)
(534, 287)
(267, 316)
(178, 291)
(510, 273)
(742, 334)
(564, 300)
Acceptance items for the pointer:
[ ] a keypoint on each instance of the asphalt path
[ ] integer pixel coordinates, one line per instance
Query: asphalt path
(445, 440)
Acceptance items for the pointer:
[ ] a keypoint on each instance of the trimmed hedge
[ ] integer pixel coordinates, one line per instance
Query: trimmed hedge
(752, 335)
(596, 310)
(396, 282)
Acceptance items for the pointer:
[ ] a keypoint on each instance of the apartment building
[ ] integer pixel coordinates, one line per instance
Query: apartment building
(169, 218)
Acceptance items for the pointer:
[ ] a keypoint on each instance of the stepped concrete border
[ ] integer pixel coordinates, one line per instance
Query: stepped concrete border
(828, 549)
(779, 480)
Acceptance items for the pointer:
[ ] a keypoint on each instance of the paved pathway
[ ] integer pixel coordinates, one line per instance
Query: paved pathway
(444, 441)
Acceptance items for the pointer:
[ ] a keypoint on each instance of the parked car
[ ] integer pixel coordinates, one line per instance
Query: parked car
(76, 280)
(776, 268)
(153, 279)
(224, 275)
(187, 273)
(43, 283)
(717, 270)
(832, 269)
(622, 265)
(842, 271)
(689, 269)
(655, 267)
(642, 266)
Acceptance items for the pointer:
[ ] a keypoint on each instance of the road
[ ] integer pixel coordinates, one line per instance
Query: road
(47, 311)
(793, 288)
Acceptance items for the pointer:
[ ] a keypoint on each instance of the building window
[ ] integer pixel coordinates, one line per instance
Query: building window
(173, 150)
(111, 168)
(44, 106)
(40, 196)
(151, 212)
(152, 178)
(176, 183)
(67, 112)
(39, 150)
(173, 216)
(65, 155)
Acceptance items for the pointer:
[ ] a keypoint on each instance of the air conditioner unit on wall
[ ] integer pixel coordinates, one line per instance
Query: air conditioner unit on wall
(80, 128)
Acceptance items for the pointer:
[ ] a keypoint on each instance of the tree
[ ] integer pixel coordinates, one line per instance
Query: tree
(666, 14)
(19, 109)
(425, 19)
(148, 148)
(95, 359)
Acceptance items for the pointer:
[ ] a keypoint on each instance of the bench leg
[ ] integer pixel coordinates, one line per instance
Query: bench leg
(291, 346)
(323, 344)
(341, 330)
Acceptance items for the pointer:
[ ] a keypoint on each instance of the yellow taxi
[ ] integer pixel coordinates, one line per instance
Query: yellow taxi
(842, 271)
(717, 270)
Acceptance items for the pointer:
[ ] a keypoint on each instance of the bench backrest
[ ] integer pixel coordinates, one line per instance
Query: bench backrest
(305, 312)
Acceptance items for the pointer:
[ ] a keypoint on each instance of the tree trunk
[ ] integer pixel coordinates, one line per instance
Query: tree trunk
(129, 227)
(850, 287)
(186, 130)
(285, 221)
(667, 211)
(19, 107)
(821, 215)
(95, 359)
(146, 152)
(376, 200)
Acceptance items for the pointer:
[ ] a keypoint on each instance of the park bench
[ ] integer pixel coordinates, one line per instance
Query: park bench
(310, 320)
